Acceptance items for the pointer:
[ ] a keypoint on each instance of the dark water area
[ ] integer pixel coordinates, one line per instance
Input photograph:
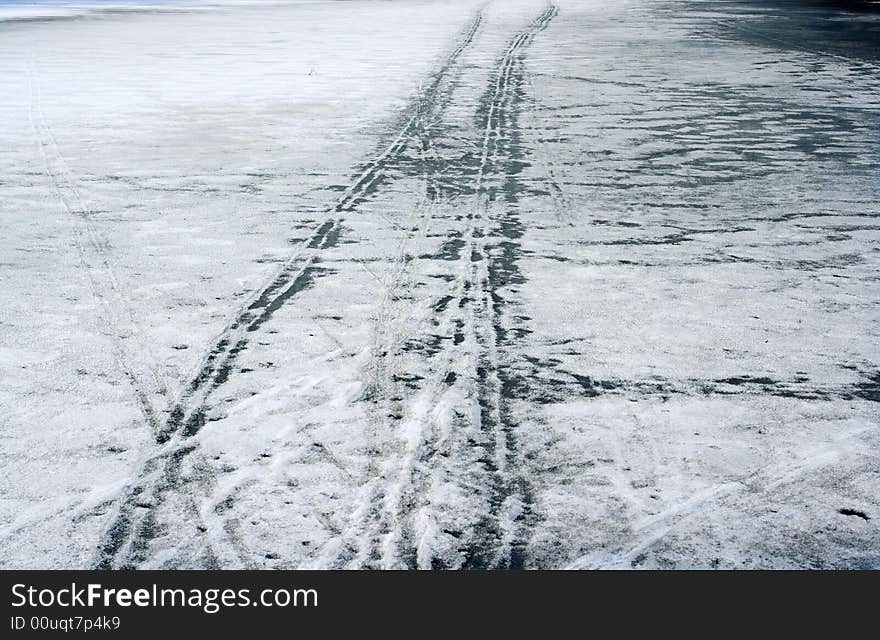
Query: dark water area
(852, 5)
(845, 28)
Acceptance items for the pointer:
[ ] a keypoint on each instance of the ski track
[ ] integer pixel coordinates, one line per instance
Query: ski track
(654, 529)
(146, 380)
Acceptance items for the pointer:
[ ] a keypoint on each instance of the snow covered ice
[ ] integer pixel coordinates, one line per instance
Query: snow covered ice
(439, 284)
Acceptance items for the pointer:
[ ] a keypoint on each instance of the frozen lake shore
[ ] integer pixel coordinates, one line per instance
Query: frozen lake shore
(428, 284)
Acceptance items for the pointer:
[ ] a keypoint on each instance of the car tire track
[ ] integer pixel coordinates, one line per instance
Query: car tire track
(364, 539)
(127, 538)
(457, 434)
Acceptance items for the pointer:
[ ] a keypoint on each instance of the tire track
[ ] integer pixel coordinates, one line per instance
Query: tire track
(126, 541)
(493, 267)
(458, 434)
(364, 543)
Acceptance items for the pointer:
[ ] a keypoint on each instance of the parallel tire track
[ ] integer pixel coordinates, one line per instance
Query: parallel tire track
(505, 524)
(458, 436)
(126, 541)
(365, 538)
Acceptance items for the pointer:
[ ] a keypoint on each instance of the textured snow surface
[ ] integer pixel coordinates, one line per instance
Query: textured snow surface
(439, 285)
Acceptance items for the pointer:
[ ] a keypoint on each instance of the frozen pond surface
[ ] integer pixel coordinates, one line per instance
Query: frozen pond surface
(440, 285)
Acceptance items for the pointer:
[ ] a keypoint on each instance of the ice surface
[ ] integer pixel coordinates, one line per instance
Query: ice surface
(438, 285)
